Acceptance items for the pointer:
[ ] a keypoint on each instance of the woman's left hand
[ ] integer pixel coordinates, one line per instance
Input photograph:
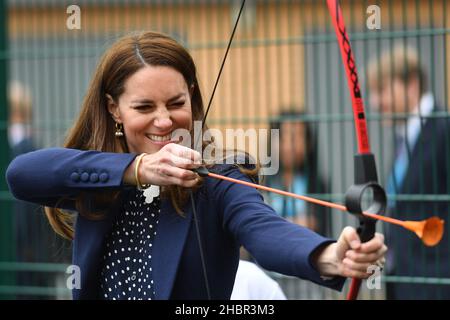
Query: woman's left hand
(348, 257)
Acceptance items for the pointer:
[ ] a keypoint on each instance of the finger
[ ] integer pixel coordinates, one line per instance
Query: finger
(350, 237)
(183, 162)
(369, 271)
(382, 260)
(197, 158)
(362, 257)
(178, 173)
(373, 244)
(358, 256)
(187, 153)
(356, 266)
(349, 273)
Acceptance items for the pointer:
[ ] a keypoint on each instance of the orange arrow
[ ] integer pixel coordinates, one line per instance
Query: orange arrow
(430, 231)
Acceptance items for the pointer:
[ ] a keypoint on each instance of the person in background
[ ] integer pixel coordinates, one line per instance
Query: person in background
(28, 223)
(34, 239)
(20, 119)
(298, 173)
(399, 91)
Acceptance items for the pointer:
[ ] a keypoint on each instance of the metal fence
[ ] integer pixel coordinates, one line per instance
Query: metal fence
(284, 57)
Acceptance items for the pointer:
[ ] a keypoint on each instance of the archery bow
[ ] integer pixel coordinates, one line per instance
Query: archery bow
(430, 230)
(365, 167)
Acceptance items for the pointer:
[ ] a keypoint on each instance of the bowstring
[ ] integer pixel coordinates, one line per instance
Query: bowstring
(197, 141)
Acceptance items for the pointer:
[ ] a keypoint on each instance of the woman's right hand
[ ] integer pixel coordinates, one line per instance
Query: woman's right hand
(169, 166)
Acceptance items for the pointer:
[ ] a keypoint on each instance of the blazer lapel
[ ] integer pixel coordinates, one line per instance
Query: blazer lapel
(169, 242)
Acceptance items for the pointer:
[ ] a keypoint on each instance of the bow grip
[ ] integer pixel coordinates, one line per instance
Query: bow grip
(366, 180)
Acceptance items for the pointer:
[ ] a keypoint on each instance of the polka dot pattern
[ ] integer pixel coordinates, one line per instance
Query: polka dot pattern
(127, 268)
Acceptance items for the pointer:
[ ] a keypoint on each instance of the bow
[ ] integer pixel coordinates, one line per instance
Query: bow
(366, 179)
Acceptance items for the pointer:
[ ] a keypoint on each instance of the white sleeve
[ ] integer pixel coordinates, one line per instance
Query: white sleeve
(252, 283)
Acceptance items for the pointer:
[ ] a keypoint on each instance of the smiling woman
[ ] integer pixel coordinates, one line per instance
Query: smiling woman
(132, 241)
(156, 101)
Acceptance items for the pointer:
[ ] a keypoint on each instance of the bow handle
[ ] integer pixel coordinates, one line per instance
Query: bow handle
(365, 189)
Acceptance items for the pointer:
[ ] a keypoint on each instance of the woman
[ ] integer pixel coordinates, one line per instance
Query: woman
(298, 173)
(144, 89)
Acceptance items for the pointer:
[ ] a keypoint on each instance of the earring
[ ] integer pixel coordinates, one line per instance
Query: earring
(119, 130)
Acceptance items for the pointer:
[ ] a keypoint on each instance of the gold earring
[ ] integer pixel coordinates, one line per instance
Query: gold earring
(119, 130)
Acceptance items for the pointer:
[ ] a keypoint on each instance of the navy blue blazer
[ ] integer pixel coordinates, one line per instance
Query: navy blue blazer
(230, 215)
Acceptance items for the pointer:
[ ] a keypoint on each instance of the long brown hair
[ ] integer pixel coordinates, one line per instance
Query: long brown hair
(94, 129)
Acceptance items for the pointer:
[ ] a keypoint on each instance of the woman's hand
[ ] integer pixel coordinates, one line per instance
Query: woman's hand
(168, 166)
(348, 257)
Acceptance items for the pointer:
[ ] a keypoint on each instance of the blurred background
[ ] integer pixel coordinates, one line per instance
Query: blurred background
(284, 66)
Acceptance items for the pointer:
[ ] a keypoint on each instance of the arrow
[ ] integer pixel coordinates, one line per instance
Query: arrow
(430, 231)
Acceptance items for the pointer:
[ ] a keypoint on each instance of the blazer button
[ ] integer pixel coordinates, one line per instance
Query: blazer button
(104, 177)
(85, 177)
(75, 177)
(94, 177)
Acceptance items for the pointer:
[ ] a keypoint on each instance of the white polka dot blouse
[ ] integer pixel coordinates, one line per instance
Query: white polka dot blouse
(127, 261)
